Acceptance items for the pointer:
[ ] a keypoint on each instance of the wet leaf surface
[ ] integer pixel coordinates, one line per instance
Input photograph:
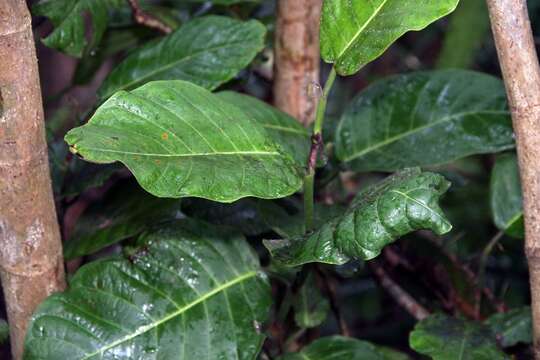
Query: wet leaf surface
(189, 292)
(180, 140)
(424, 118)
(402, 203)
(354, 33)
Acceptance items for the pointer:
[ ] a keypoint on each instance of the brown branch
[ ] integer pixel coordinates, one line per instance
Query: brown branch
(470, 276)
(316, 146)
(330, 289)
(30, 245)
(297, 57)
(519, 64)
(403, 298)
(143, 18)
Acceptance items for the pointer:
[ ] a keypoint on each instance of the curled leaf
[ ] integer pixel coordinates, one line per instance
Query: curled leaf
(404, 202)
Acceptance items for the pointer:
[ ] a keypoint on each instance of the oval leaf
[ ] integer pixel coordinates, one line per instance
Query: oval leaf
(189, 293)
(446, 338)
(395, 207)
(180, 140)
(505, 196)
(354, 33)
(339, 347)
(424, 118)
(207, 51)
(67, 16)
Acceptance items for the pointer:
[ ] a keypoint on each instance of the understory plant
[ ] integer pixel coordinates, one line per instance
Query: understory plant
(224, 229)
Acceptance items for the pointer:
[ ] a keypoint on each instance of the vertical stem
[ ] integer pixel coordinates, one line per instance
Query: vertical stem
(316, 145)
(31, 264)
(297, 57)
(519, 63)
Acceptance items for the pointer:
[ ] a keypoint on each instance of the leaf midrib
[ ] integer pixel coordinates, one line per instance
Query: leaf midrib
(361, 30)
(419, 129)
(416, 201)
(223, 153)
(141, 330)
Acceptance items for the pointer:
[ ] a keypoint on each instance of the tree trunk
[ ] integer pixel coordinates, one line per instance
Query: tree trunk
(297, 58)
(30, 246)
(519, 63)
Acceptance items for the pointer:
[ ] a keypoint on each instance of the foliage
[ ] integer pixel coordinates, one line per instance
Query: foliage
(182, 199)
(445, 338)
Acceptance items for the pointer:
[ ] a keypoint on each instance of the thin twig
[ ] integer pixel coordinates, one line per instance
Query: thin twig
(482, 269)
(470, 275)
(403, 298)
(148, 20)
(330, 288)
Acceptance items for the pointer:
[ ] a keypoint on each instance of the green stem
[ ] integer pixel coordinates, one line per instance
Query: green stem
(316, 143)
(321, 106)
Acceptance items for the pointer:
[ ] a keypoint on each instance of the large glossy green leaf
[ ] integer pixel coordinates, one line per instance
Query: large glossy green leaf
(395, 207)
(190, 292)
(353, 33)
(207, 51)
(512, 327)
(127, 212)
(287, 131)
(67, 16)
(446, 338)
(339, 347)
(180, 140)
(505, 195)
(424, 118)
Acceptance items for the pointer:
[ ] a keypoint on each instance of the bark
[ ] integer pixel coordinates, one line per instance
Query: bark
(297, 58)
(31, 264)
(519, 63)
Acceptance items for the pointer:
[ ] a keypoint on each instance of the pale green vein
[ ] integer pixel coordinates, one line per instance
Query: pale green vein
(361, 30)
(223, 153)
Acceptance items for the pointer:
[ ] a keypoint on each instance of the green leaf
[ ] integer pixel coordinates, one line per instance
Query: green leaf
(190, 292)
(310, 307)
(424, 118)
(446, 338)
(283, 128)
(69, 35)
(180, 140)
(339, 347)
(395, 207)
(505, 196)
(4, 331)
(207, 51)
(512, 327)
(354, 33)
(124, 214)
